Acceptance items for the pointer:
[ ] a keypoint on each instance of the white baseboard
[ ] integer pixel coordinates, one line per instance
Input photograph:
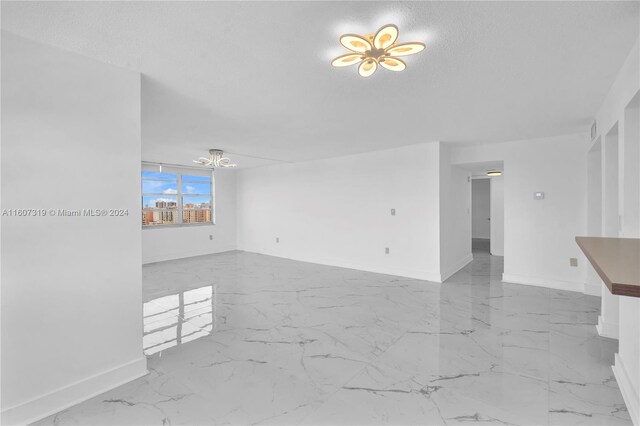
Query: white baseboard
(176, 256)
(378, 269)
(607, 329)
(629, 393)
(448, 272)
(72, 394)
(543, 282)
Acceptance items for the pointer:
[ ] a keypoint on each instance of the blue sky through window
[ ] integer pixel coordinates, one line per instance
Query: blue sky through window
(205, 179)
(196, 188)
(159, 187)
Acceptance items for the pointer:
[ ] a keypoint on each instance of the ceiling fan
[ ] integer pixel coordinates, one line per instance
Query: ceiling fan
(216, 159)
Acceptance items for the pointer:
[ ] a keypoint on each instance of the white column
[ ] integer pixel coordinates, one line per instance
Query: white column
(627, 363)
(608, 322)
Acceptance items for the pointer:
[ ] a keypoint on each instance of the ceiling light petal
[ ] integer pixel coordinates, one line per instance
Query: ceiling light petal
(348, 59)
(355, 43)
(404, 49)
(367, 67)
(393, 64)
(386, 36)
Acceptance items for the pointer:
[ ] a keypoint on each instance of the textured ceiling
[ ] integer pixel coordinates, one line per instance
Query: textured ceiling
(254, 77)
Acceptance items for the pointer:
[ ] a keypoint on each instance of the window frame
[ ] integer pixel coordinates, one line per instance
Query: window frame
(179, 211)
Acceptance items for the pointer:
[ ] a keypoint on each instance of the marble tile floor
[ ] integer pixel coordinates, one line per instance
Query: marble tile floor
(242, 338)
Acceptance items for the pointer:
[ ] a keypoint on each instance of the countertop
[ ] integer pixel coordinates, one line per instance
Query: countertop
(616, 260)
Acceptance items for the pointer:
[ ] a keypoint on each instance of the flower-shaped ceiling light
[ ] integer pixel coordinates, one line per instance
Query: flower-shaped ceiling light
(216, 159)
(376, 49)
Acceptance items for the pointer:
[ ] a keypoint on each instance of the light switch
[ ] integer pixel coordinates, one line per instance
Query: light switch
(393, 212)
(538, 195)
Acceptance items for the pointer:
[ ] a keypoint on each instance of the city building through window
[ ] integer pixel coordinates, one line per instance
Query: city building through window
(175, 196)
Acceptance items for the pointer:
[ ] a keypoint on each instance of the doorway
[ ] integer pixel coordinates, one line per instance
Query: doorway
(485, 209)
(481, 215)
(487, 213)
(485, 231)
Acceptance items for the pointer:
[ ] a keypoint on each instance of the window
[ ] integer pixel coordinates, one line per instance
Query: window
(176, 196)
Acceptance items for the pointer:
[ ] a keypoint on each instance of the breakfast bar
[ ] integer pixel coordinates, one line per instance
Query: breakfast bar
(617, 262)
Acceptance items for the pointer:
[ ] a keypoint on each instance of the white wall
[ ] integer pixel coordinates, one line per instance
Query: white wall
(630, 176)
(71, 286)
(622, 91)
(612, 112)
(160, 244)
(593, 285)
(611, 184)
(337, 211)
(608, 321)
(455, 215)
(539, 235)
(629, 332)
(497, 216)
(481, 208)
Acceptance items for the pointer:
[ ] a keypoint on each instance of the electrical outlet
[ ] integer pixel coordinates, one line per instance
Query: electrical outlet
(393, 212)
(210, 237)
(277, 239)
(386, 250)
(573, 261)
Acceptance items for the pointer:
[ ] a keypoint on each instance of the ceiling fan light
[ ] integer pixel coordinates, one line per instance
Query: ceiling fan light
(372, 50)
(385, 36)
(216, 159)
(393, 64)
(355, 43)
(405, 49)
(367, 67)
(346, 60)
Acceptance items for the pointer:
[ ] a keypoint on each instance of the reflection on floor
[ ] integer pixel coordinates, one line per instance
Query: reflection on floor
(244, 338)
(178, 318)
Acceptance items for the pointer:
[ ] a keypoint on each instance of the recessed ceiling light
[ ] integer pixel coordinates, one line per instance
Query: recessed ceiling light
(376, 49)
(494, 173)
